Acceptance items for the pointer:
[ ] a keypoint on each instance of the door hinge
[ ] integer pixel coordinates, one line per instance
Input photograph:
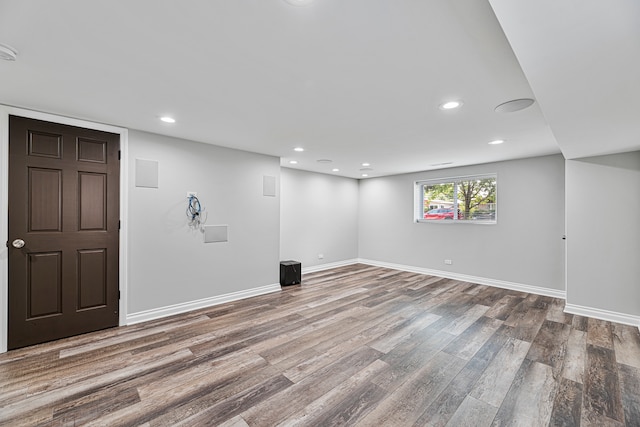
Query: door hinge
(118, 295)
(119, 155)
(119, 224)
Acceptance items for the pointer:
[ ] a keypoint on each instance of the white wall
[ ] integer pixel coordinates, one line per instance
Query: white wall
(318, 215)
(168, 262)
(603, 233)
(525, 247)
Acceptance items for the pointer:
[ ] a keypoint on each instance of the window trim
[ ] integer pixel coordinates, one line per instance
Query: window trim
(418, 211)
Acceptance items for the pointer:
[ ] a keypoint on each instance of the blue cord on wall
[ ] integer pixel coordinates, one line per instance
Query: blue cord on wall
(194, 210)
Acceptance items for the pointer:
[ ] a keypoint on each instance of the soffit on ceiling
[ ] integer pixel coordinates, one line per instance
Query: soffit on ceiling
(582, 60)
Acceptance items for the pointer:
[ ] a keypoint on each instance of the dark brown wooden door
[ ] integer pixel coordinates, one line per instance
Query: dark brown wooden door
(64, 206)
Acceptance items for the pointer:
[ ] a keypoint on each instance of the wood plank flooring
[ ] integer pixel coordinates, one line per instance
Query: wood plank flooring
(356, 345)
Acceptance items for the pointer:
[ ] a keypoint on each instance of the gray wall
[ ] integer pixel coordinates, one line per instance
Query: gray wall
(318, 215)
(603, 232)
(168, 261)
(525, 246)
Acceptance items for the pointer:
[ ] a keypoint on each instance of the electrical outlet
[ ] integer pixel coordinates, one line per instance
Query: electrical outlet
(192, 193)
(448, 261)
(320, 256)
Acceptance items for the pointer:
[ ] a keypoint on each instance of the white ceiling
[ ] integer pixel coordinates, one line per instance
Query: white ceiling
(349, 80)
(582, 60)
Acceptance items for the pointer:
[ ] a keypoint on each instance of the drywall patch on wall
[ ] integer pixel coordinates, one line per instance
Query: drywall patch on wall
(146, 173)
(216, 233)
(269, 186)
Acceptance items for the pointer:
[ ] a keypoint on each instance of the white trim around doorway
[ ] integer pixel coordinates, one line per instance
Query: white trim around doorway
(5, 111)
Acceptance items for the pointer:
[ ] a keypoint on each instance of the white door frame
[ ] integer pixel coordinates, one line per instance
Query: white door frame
(5, 111)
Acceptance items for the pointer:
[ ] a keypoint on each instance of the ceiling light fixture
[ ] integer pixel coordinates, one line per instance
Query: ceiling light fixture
(335, 170)
(365, 175)
(450, 105)
(8, 53)
(514, 105)
(168, 119)
(298, 149)
(293, 162)
(496, 142)
(366, 164)
(299, 2)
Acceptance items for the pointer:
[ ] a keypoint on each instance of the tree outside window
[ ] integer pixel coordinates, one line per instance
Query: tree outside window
(459, 199)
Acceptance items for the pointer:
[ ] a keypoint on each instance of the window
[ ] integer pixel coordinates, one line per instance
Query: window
(468, 199)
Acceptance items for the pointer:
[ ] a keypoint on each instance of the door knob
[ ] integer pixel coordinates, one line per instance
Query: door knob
(18, 243)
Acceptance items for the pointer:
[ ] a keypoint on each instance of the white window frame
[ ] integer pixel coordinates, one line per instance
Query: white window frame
(418, 211)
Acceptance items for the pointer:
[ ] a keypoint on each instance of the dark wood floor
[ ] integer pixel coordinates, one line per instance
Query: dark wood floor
(357, 345)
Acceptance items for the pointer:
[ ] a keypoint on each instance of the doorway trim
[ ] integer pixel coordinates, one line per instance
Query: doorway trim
(5, 111)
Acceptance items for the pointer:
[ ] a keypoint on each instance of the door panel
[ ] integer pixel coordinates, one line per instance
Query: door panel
(92, 151)
(45, 144)
(93, 199)
(45, 200)
(44, 284)
(64, 204)
(92, 283)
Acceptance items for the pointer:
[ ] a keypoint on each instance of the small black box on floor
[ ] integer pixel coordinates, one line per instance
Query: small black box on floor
(290, 273)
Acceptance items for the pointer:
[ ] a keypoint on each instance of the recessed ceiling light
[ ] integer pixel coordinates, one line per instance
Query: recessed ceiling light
(366, 164)
(496, 142)
(450, 105)
(8, 53)
(299, 2)
(514, 105)
(293, 162)
(335, 170)
(365, 175)
(168, 119)
(298, 149)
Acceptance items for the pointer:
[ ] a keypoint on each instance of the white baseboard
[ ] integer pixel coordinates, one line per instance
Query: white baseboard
(161, 312)
(472, 279)
(321, 267)
(598, 313)
(157, 313)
